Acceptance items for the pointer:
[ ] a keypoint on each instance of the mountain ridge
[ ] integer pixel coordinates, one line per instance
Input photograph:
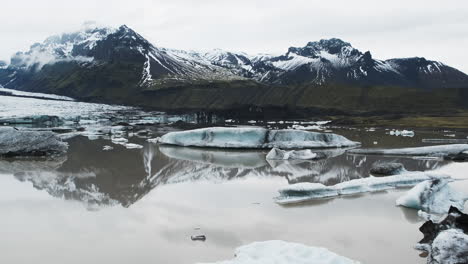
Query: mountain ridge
(117, 65)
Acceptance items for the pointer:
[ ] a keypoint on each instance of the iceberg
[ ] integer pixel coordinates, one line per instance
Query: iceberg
(277, 251)
(438, 151)
(247, 137)
(434, 196)
(301, 192)
(446, 241)
(15, 142)
(278, 154)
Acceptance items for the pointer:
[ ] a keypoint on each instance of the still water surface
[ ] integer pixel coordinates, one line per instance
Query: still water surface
(142, 206)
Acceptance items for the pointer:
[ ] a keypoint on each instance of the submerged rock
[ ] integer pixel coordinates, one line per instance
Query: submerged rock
(223, 137)
(278, 154)
(15, 142)
(387, 169)
(434, 196)
(446, 242)
(277, 251)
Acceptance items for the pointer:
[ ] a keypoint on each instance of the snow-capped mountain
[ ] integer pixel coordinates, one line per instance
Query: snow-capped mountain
(117, 65)
(336, 61)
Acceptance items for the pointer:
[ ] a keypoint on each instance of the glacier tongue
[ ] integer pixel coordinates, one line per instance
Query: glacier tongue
(302, 192)
(277, 251)
(254, 137)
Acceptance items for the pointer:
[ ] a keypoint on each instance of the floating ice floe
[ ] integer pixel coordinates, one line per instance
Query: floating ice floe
(302, 192)
(403, 133)
(132, 146)
(434, 196)
(107, 148)
(153, 140)
(222, 137)
(435, 151)
(446, 241)
(15, 142)
(310, 127)
(276, 251)
(278, 154)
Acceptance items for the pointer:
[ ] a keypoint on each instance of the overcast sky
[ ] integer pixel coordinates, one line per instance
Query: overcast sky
(398, 28)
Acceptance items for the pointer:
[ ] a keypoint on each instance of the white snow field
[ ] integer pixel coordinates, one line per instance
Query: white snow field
(255, 137)
(438, 151)
(281, 252)
(278, 154)
(301, 192)
(435, 196)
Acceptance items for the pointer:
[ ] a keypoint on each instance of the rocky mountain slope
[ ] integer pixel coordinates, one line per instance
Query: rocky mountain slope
(118, 65)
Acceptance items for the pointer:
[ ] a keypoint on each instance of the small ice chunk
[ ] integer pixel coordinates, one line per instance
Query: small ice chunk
(119, 140)
(132, 146)
(277, 251)
(153, 140)
(278, 154)
(107, 148)
(433, 196)
(403, 133)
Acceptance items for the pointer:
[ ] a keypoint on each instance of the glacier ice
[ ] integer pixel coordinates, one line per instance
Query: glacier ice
(434, 196)
(254, 137)
(438, 151)
(302, 192)
(277, 251)
(278, 154)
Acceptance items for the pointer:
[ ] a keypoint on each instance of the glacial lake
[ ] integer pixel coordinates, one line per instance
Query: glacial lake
(143, 205)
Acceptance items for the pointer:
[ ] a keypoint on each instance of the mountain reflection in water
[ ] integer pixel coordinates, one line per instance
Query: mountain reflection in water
(122, 176)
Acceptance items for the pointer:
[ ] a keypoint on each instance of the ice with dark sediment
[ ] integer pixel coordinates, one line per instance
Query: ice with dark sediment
(255, 137)
(446, 241)
(14, 142)
(302, 192)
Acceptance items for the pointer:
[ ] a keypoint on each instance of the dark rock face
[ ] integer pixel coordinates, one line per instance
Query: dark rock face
(446, 241)
(387, 169)
(30, 143)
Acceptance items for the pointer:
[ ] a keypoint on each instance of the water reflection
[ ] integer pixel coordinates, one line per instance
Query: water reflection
(122, 176)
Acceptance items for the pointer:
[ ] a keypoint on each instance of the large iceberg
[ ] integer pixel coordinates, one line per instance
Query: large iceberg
(252, 137)
(435, 196)
(15, 142)
(438, 151)
(302, 192)
(277, 251)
